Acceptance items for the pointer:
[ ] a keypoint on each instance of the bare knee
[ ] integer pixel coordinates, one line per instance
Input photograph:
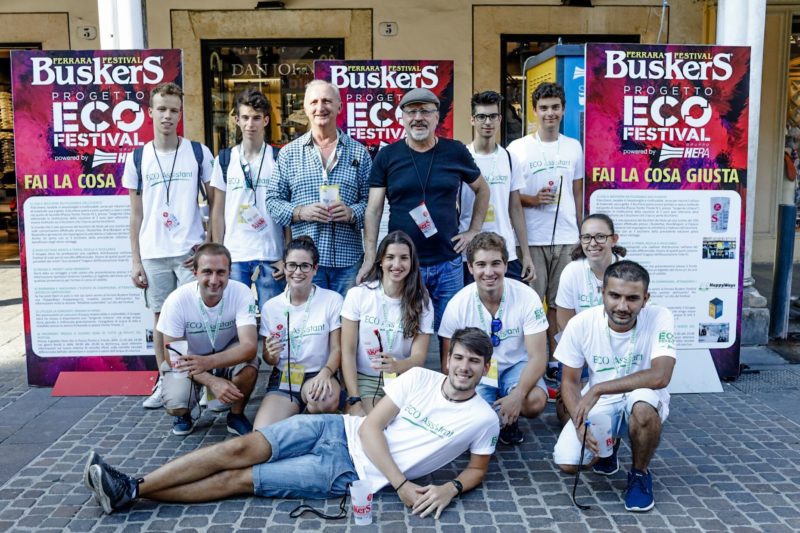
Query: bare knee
(238, 481)
(644, 416)
(568, 469)
(534, 403)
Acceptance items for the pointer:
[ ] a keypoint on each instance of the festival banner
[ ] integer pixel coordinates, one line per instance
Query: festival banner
(371, 91)
(77, 114)
(666, 158)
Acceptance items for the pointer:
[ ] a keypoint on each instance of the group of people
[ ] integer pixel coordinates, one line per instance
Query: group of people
(346, 321)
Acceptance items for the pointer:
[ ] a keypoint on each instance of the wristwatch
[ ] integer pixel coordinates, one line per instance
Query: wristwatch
(459, 487)
(352, 400)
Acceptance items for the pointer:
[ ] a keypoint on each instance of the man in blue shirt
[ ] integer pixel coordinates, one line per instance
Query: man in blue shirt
(320, 187)
(421, 176)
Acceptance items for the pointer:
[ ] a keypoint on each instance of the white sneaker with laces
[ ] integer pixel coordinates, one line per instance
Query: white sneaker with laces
(154, 400)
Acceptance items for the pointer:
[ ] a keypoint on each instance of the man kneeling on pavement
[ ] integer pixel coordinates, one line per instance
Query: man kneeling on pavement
(425, 421)
(217, 318)
(630, 352)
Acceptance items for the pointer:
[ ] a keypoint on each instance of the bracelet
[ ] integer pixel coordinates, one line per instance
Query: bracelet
(401, 484)
(459, 487)
(329, 370)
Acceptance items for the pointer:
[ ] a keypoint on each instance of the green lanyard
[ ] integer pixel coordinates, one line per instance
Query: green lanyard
(627, 360)
(211, 331)
(296, 340)
(391, 333)
(248, 180)
(479, 305)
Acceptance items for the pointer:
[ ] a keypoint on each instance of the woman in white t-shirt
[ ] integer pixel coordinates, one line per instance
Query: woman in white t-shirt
(302, 341)
(581, 284)
(387, 322)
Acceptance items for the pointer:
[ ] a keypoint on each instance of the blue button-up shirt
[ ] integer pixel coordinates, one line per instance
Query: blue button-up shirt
(295, 182)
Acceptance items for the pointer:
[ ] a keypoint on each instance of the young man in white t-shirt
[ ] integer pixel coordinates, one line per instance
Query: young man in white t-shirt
(166, 226)
(552, 197)
(217, 319)
(425, 421)
(239, 219)
(630, 352)
(511, 313)
(504, 215)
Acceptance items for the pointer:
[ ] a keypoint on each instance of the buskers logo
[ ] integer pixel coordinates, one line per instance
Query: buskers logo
(96, 71)
(385, 77)
(646, 65)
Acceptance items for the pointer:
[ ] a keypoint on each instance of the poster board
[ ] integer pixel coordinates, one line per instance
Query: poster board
(77, 115)
(666, 158)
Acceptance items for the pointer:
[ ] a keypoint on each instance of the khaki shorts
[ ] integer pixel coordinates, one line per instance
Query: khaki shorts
(164, 275)
(369, 387)
(549, 262)
(180, 392)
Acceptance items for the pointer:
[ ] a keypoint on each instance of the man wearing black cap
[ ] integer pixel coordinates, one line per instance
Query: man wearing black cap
(421, 176)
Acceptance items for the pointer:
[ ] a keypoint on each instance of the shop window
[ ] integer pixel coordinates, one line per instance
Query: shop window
(279, 68)
(514, 50)
(8, 179)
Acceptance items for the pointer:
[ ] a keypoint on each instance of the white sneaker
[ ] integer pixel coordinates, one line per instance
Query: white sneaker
(218, 406)
(154, 400)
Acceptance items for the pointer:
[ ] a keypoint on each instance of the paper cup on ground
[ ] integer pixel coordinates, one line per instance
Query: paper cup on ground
(361, 500)
(181, 347)
(601, 429)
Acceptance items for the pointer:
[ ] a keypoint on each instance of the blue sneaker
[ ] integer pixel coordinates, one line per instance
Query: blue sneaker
(183, 425)
(608, 466)
(112, 488)
(639, 496)
(238, 424)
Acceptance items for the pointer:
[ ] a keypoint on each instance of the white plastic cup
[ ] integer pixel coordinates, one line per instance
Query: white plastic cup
(601, 429)
(181, 347)
(361, 500)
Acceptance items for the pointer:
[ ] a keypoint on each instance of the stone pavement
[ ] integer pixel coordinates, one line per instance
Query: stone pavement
(727, 462)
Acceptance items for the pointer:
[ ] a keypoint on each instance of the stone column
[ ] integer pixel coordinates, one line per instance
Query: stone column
(121, 24)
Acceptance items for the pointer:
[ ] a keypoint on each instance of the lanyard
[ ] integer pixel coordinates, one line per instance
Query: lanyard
(211, 331)
(593, 290)
(296, 341)
(479, 306)
(327, 166)
(248, 180)
(391, 333)
(428, 175)
(172, 170)
(625, 362)
(552, 163)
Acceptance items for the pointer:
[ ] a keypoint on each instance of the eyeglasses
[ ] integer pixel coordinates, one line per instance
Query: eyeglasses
(497, 325)
(304, 267)
(599, 238)
(424, 113)
(480, 117)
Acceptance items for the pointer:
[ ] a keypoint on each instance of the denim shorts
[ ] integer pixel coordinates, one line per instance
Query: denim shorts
(443, 281)
(274, 387)
(266, 285)
(310, 459)
(507, 380)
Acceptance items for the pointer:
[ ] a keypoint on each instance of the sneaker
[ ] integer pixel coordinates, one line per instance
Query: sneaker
(511, 434)
(238, 424)
(608, 466)
(183, 424)
(552, 374)
(92, 459)
(154, 400)
(113, 489)
(639, 496)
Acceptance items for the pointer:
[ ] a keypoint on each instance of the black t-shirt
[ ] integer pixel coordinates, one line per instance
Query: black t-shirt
(403, 171)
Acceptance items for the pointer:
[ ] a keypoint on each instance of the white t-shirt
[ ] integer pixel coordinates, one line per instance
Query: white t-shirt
(184, 315)
(544, 164)
(311, 324)
(248, 238)
(520, 312)
(578, 288)
(608, 354)
(429, 431)
(156, 239)
(368, 305)
(502, 180)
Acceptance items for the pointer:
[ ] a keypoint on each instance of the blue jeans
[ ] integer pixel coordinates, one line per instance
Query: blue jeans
(506, 381)
(339, 279)
(442, 280)
(310, 459)
(266, 286)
